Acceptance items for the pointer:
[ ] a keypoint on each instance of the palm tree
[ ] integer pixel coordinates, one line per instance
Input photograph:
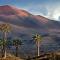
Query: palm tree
(9, 43)
(5, 28)
(1, 43)
(37, 39)
(17, 42)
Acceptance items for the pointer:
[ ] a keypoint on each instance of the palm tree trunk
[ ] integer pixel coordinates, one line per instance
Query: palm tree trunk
(38, 45)
(16, 51)
(3, 48)
(4, 45)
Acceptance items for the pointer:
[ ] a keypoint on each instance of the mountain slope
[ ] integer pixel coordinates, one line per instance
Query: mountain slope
(23, 18)
(24, 24)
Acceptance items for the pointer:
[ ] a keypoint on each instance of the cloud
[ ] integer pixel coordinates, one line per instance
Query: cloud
(47, 8)
(51, 12)
(59, 18)
(54, 13)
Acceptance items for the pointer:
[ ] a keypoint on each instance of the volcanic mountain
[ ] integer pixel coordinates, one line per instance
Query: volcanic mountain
(23, 18)
(24, 24)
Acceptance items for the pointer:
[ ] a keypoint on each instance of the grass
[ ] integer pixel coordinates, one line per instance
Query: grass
(11, 57)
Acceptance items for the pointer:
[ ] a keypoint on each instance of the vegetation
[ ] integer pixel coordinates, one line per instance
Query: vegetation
(5, 28)
(17, 42)
(37, 39)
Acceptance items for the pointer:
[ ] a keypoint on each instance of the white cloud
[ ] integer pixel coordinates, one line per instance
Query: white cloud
(54, 13)
(50, 11)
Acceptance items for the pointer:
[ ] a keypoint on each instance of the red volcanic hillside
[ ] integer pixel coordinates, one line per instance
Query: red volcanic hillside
(6, 10)
(23, 18)
(9, 10)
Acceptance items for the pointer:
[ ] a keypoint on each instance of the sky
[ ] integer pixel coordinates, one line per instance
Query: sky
(47, 8)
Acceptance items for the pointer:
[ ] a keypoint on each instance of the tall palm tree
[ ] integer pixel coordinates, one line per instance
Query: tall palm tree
(1, 43)
(5, 28)
(17, 42)
(37, 39)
